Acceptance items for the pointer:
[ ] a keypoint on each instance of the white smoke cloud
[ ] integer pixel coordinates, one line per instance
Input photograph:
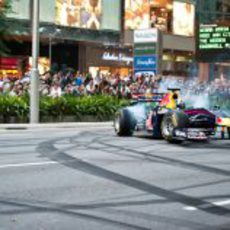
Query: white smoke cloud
(194, 94)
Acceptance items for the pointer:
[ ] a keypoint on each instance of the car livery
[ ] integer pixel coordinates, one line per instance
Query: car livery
(165, 116)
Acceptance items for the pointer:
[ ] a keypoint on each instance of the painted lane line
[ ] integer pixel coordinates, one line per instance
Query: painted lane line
(28, 164)
(222, 203)
(217, 203)
(190, 208)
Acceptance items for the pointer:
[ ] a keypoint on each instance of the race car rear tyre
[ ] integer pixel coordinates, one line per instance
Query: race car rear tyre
(124, 123)
(172, 120)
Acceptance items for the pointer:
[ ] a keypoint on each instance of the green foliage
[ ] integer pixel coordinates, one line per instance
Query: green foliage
(5, 7)
(100, 107)
(13, 106)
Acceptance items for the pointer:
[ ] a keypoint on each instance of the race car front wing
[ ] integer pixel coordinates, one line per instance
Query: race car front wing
(193, 133)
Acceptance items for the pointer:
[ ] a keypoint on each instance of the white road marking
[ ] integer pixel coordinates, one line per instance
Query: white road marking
(217, 203)
(28, 164)
(190, 208)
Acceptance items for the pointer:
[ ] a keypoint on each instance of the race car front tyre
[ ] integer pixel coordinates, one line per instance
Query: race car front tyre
(124, 123)
(172, 120)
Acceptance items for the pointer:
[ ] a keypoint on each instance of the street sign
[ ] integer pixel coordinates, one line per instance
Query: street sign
(145, 62)
(214, 37)
(144, 49)
(146, 36)
(145, 72)
(213, 43)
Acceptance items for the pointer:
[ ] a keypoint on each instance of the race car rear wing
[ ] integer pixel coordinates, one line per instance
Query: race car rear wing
(153, 97)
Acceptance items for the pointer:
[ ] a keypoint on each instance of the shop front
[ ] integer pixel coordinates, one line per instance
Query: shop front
(109, 60)
(11, 67)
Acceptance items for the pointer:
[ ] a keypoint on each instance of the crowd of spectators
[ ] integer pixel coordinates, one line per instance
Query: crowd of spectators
(78, 84)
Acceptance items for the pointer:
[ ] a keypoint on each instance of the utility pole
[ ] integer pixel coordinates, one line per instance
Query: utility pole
(34, 81)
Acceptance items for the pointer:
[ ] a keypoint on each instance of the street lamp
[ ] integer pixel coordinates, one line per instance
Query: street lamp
(34, 83)
(51, 36)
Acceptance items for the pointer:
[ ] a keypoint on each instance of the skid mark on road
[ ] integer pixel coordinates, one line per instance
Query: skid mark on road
(143, 155)
(168, 160)
(36, 207)
(47, 149)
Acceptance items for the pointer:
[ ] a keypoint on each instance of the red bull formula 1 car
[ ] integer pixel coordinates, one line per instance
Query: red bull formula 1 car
(165, 116)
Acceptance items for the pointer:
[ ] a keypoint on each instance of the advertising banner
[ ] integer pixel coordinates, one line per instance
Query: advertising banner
(146, 52)
(183, 18)
(152, 72)
(43, 64)
(161, 14)
(79, 13)
(145, 62)
(145, 36)
(144, 49)
(137, 14)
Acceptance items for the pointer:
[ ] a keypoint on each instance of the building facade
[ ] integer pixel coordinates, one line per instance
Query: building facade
(97, 35)
(67, 30)
(175, 21)
(214, 61)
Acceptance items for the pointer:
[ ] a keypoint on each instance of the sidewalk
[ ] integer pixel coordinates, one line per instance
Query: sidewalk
(56, 125)
(108, 124)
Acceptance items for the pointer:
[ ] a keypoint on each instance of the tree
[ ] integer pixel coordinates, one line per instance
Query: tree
(5, 7)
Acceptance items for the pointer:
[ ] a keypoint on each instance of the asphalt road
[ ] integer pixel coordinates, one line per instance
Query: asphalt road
(87, 178)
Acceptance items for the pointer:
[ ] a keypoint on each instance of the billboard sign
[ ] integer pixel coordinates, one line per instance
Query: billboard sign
(145, 72)
(145, 62)
(79, 13)
(137, 14)
(213, 43)
(183, 18)
(146, 51)
(214, 37)
(146, 36)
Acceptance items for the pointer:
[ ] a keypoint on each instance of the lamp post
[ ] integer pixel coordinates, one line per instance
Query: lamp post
(51, 36)
(34, 82)
(50, 50)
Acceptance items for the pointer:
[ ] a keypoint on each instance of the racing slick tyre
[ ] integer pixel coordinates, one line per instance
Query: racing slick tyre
(172, 120)
(124, 123)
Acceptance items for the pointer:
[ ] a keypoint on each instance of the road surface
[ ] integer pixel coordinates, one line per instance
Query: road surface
(88, 178)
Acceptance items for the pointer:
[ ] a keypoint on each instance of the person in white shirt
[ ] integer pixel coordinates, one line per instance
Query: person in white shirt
(55, 91)
(90, 88)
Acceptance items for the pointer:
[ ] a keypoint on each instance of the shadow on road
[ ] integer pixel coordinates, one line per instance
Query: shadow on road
(210, 144)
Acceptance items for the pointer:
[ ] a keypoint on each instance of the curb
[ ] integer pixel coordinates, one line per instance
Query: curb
(55, 125)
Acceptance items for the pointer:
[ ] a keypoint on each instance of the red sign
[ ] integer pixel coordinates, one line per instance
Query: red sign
(9, 63)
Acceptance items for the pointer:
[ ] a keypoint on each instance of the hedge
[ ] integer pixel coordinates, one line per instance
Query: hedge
(101, 107)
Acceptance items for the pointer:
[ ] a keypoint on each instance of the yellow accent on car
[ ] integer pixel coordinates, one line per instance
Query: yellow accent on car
(172, 102)
(225, 121)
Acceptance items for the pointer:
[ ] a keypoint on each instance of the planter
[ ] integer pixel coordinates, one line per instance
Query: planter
(89, 118)
(12, 119)
(22, 120)
(105, 118)
(1, 119)
(50, 119)
(69, 118)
